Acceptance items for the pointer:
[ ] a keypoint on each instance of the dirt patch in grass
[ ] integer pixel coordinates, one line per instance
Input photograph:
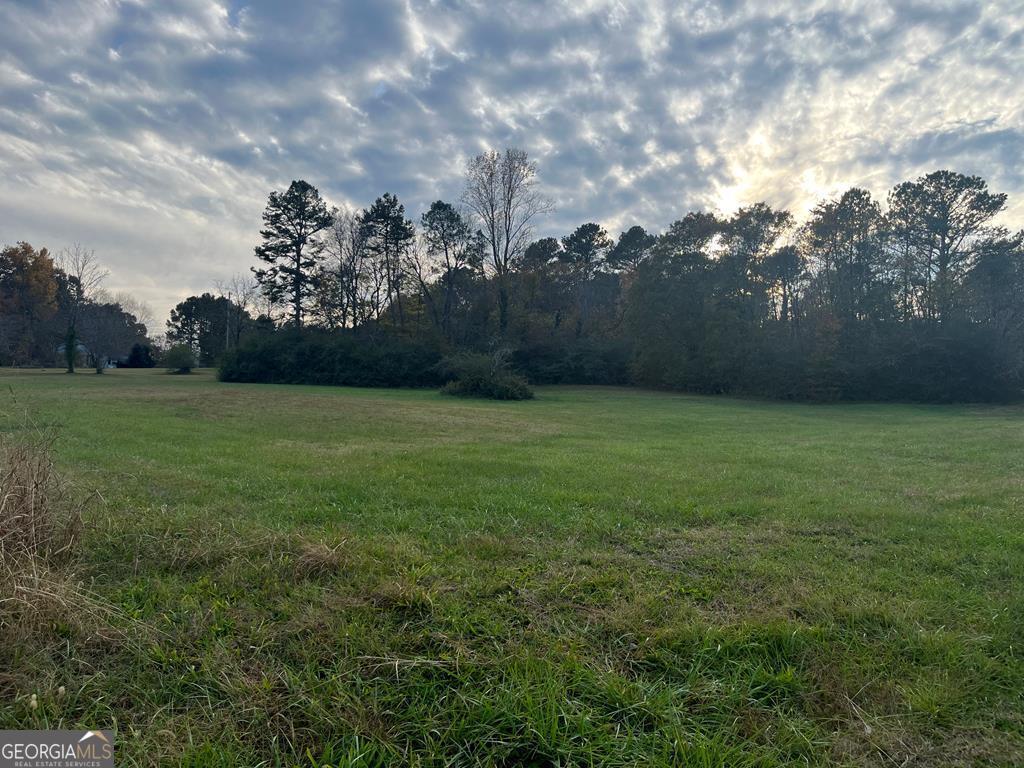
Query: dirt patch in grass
(891, 744)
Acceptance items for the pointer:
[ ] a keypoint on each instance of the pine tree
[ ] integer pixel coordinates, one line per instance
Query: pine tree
(291, 247)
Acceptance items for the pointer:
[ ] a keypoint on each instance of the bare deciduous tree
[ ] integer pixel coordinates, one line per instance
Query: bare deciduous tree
(84, 276)
(142, 312)
(241, 291)
(421, 267)
(501, 192)
(346, 285)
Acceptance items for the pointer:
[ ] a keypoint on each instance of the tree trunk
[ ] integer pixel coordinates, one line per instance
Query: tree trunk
(297, 290)
(70, 348)
(502, 305)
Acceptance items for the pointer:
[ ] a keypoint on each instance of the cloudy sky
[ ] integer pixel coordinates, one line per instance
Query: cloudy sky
(153, 131)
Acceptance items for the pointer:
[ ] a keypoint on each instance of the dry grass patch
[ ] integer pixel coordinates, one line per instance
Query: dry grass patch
(318, 558)
(43, 607)
(40, 529)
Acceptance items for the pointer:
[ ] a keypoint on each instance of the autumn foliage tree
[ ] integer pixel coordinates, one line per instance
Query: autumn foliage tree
(28, 302)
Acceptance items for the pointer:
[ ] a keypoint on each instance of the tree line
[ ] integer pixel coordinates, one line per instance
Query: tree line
(53, 310)
(917, 297)
(921, 298)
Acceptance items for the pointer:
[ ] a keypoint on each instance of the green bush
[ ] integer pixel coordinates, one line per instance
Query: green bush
(141, 356)
(354, 358)
(179, 359)
(479, 375)
(579, 361)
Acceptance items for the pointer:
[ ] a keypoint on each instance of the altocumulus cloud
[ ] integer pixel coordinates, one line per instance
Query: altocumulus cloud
(153, 132)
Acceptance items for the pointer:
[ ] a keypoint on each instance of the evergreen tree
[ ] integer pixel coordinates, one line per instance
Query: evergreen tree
(292, 247)
(388, 235)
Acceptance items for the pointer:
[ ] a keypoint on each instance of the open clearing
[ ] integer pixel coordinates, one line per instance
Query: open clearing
(312, 576)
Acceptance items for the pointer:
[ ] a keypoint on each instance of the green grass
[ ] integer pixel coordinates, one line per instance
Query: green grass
(600, 577)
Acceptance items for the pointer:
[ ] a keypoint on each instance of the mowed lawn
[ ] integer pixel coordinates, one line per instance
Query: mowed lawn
(599, 577)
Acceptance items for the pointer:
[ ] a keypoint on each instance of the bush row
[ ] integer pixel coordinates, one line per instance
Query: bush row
(349, 358)
(964, 363)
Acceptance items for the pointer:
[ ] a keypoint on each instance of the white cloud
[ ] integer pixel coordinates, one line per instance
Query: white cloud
(153, 133)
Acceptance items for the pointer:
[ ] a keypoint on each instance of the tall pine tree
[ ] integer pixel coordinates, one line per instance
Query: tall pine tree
(291, 247)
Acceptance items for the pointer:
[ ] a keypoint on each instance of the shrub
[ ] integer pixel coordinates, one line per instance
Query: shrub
(141, 356)
(576, 361)
(480, 375)
(179, 359)
(355, 358)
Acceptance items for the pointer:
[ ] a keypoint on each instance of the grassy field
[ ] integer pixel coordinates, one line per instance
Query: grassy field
(601, 577)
